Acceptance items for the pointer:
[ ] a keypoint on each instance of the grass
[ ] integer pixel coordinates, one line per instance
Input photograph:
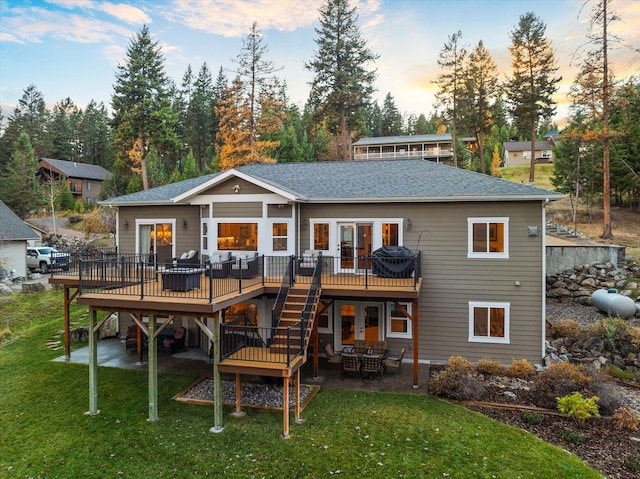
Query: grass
(45, 432)
(520, 174)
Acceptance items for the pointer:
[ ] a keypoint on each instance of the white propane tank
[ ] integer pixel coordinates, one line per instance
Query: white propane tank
(612, 303)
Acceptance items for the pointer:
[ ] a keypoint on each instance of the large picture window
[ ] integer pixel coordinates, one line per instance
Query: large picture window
(238, 236)
(398, 325)
(489, 322)
(488, 237)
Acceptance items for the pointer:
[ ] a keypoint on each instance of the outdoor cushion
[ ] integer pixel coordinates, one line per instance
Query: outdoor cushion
(184, 255)
(191, 254)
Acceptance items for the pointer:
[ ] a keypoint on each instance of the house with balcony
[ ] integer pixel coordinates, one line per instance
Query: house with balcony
(266, 264)
(83, 180)
(437, 148)
(519, 152)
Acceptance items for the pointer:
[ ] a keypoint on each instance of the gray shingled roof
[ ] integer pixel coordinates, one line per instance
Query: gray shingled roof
(361, 181)
(161, 194)
(526, 145)
(13, 228)
(72, 169)
(392, 140)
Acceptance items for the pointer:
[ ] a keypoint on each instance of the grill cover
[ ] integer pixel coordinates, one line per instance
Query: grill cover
(393, 262)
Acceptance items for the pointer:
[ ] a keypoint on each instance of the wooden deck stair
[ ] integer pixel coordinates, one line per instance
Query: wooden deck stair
(290, 320)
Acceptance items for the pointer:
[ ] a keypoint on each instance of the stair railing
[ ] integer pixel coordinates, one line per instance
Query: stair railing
(283, 292)
(313, 295)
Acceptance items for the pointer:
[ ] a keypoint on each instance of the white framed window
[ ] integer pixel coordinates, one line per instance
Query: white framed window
(546, 153)
(489, 322)
(488, 237)
(526, 155)
(279, 234)
(398, 325)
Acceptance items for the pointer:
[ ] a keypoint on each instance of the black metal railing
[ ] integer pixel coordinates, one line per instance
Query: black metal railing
(141, 275)
(68, 262)
(261, 344)
(283, 292)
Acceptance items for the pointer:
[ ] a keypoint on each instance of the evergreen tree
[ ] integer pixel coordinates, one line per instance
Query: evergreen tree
(94, 136)
(391, 118)
(422, 125)
(233, 133)
(201, 133)
(480, 90)
(530, 89)
(342, 85)
(373, 124)
(63, 131)
(450, 82)
(142, 105)
(31, 117)
(19, 187)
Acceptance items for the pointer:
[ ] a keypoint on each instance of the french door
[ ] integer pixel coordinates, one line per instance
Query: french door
(354, 247)
(358, 321)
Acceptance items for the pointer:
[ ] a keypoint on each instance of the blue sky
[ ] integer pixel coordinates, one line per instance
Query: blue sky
(70, 48)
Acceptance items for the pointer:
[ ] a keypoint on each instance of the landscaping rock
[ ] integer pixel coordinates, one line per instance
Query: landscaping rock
(30, 287)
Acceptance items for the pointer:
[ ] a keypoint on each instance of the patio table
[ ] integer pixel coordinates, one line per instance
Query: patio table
(181, 279)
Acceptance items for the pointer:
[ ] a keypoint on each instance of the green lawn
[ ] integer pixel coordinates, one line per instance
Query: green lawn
(45, 433)
(520, 174)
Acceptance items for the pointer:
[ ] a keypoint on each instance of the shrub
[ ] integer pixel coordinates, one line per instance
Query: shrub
(557, 380)
(632, 463)
(490, 367)
(578, 408)
(567, 328)
(616, 329)
(618, 373)
(532, 418)
(520, 368)
(574, 437)
(626, 418)
(457, 386)
(459, 364)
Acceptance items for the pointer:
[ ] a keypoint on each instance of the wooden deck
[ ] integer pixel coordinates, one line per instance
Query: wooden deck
(271, 364)
(150, 297)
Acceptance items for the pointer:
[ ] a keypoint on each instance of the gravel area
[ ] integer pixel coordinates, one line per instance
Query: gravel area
(252, 394)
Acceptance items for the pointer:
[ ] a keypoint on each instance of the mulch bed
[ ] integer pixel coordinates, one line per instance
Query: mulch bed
(600, 443)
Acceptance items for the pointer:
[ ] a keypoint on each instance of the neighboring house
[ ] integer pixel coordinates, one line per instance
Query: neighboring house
(482, 286)
(15, 235)
(519, 152)
(436, 148)
(84, 180)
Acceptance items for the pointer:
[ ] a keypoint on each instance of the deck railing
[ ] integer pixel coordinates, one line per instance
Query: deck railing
(142, 276)
(257, 344)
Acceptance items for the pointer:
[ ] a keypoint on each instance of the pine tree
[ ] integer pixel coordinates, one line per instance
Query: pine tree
(31, 117)
(62, 131)
(141, 104)
(391, 118)
(480, 90)
(233, 132)
(532, 85)
(21, 170)
(451, 82)
(342, 84)
(94, 136)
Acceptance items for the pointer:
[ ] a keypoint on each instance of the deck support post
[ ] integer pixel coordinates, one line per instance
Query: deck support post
(93, 363)
(297, 419)
(416, 353)
(217, 377)
(285, 406)
(153, 370)
(68, 298)
(238, 412)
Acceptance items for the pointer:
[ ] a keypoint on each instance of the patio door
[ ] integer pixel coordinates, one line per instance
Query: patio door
(354, 245)
(358, 321)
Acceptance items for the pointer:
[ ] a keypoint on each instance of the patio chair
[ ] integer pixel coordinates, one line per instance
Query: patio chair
(360, 346)
(188, 258)
(131, 341)
(379, 347)
(372, 367)
(245, 266)
(394, 363)
(350, 364)
(176, 343)
(333, 358)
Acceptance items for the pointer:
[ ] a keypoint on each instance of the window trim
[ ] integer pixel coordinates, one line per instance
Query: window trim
(391, 334)
(507, 320)
(329, 328)
(487, 254)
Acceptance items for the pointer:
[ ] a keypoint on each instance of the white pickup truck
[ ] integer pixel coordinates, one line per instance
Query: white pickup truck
(46, 259)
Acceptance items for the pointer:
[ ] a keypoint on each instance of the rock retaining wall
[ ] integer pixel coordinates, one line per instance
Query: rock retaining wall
(578, 283)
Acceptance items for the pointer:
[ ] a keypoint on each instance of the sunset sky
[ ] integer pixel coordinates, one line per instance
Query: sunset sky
(70, 48)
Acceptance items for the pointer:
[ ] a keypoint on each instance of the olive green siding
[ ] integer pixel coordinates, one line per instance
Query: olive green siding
(184, 238)
(451, 280)
(251, 209)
